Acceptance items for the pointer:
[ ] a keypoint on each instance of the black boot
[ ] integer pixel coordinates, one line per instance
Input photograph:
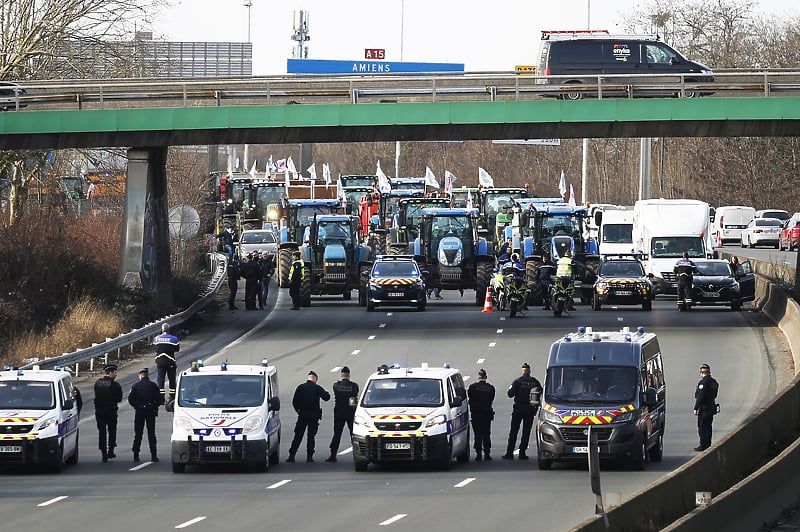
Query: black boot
(105, 455)
(310, 458)
(487, 456)
(154, 457)
(136, 457)
(508, 456)
(523, 455)
(331, 458)
(478, 456)
(291, 457)
(111, 453)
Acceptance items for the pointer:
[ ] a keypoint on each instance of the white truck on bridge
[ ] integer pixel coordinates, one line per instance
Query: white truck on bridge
(663, 230)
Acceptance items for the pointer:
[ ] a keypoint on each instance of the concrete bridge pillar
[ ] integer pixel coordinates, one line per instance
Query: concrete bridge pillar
(144, 242)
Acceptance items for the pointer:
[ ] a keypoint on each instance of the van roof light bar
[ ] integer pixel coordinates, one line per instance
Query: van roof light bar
(547, 34)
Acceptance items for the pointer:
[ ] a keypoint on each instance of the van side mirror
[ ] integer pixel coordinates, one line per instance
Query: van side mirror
(649, 397)
(456, 402)
(274, 404)
(69, 404)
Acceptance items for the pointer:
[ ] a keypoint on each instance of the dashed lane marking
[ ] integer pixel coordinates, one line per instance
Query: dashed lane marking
(464, 482)
(371, 337)
(499, 331)
(140, 466)
(355, 351)
(279, 484)
(346, 451)
(190, 522)
(502, 318)
(393, 519)
(481, 360)
(382, 325)
(389, 313)
(619, 319)
(492, 344)
(466, 378)
(52, 501)
(337, 368)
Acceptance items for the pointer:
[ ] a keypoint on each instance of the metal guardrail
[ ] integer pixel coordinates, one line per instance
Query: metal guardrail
(219, 263)
(483, 86)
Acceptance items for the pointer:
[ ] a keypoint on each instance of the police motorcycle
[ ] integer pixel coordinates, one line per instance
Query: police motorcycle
(515, 287)
(498, 285)
(561, 291)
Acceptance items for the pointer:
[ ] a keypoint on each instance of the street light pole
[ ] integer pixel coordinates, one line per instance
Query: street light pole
(248, 4)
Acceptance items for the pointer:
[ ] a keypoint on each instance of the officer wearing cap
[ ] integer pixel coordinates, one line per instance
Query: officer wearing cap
(107, 395)
(481, 397)
(705, 406)
(526, 391)
(167, 346)
(345, 396)
(296, 274)
(144, 397)
(306, 404)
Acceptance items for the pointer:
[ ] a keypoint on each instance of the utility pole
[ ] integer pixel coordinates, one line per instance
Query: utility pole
(301, 35)
(402, 39)
(585, 159)
(248, 4)
(644, 167)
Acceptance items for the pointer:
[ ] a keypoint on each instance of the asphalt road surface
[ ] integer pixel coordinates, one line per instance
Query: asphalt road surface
(771, 255)
(322, 497)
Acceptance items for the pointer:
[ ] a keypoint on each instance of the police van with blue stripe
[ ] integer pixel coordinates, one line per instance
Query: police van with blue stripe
(409, 415)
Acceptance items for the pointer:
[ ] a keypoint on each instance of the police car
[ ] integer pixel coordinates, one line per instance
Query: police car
(621, 281)
(38, 418)
(393, 280)
(226, 414)
(412, 415)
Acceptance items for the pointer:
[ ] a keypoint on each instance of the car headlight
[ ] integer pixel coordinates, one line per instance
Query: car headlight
(624, 418)
(183, 422)
(373, 284)
(362, 420)
(552, 417)
(436, 420)
(253, 423)
(46, 423)
(602, 286)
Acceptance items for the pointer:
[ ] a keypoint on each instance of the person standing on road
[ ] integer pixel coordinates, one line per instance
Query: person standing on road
(705, 406)
(267, 269)
(306, 404)
(544, 278)
(234, 275)
(145, 397)
(167, 346)
(251, 271)
(227, 238)
(296, 273)
(107, 395)
(526, 391)
(345, 395)
(481, 397)
(685, 269)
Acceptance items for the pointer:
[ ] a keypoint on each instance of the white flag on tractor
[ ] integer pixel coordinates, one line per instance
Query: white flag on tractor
(571, 196)
(340, 192)
(230, 168)
(449, 179)
(430, 179)
(383, 181)
(484, 179)
(562, 185)
(280, 165)
(253, 170)
(326, 173)
(469, 199)
(270, 165)
(291, 167)
(312, 172)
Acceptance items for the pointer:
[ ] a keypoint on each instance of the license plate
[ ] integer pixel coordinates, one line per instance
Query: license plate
(396, 294)
(218, 448)
(624, 292)
(397, 446)
(580, 450)
(10, 449)
(710, 294)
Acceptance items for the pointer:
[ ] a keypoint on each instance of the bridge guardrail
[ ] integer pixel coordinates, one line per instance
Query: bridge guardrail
(219, 264)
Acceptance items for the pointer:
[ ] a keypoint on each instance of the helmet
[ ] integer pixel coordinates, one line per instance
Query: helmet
(515, 257)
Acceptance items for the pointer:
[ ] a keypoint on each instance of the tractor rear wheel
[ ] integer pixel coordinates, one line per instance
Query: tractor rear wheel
(305, 286)
(284, 264)
(483, 278)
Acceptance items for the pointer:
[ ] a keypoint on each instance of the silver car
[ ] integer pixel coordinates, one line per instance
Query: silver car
(256, 240)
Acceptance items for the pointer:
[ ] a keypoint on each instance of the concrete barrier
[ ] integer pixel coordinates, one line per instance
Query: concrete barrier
(739, 456)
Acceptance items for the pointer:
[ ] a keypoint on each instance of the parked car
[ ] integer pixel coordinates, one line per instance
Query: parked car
(773, 213)
(790, 235)
(715, 283)
(761, 232)
(256, 240)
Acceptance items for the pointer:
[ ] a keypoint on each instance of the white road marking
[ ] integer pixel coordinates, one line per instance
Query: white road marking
(481, 360)
(382, 325)
(371, 337)
(346, 451)
(279, 484)
(140, 466)
(389, 313)
(492, 344)
(466, 378)
(337, 368)
(393, 519)
(355, 351)
(52, 501)
(190, 522)
(464, 482)
(499, 331)
(619, 319)
(502, 318)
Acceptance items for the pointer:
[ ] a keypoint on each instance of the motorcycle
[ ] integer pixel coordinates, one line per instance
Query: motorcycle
(516, 290)
(561, 295)
(499, 297)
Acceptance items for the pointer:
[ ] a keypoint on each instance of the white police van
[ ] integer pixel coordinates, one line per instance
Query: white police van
(38, 418)
(226, 414)
(412, 415)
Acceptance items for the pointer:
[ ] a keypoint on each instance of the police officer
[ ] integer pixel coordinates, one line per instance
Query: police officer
(167, 345)
(345, 396)
(251, 271)
(107, 395)
(526, 392)
(565, 272)
(685, 269)
(544, 276)
(481, 397)
(234, 274)
(296, 273)
(306, 404)
(145, 397)
(267, 269)
(705, 406)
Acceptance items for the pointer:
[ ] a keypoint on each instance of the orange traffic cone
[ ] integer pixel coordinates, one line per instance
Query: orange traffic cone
(487, 305)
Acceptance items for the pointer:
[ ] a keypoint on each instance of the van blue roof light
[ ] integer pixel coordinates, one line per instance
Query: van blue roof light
(640, 329)
(264, 362)
(581, 329)
(627, 337)
(224, 366)
(8, 367)
(446, 365)
(567, 338)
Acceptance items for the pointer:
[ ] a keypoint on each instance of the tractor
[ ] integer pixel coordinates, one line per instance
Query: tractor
(333, 257)
(352, 181)
(408, 183)
(491, 203)
(265, 205)
(460, 197)
(405, 229)
(449, 249)
(352, 196)
(377, 212)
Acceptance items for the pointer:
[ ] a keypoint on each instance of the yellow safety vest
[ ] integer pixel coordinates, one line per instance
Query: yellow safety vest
(564, 267)
(294, 265)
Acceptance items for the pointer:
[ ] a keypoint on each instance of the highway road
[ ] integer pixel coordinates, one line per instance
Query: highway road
(321, 496)
(771, 255)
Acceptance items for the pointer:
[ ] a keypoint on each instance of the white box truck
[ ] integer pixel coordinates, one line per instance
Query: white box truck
(663, 229)
(616, 232)
(729, 221)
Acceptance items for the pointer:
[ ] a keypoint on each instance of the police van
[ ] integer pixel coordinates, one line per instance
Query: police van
(226, 414)
(611, 381)
(38, 418)
(412, 415)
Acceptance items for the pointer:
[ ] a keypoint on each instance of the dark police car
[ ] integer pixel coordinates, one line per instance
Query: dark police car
(393, 280)
(621, 281)
(715, 283)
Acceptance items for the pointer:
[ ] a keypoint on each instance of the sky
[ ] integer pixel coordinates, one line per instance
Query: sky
(485, 36)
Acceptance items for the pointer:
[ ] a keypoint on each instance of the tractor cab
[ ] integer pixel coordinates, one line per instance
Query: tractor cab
(495, 207)
(360, 181)
(353, 196)
(378, 212)
(332, 234)
(409, 215)
(298, 214)
(267, 196)
(407, 183)
(461, 197)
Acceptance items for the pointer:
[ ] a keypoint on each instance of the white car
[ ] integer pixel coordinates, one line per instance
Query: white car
(762, 232)
(773, 213)
(256, 240)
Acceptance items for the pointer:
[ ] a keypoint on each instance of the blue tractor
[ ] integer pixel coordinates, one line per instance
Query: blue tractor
(449, 249)
(296, 217)
(333, 257)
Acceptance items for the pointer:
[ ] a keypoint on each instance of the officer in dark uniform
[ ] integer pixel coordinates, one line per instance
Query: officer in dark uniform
(526, 392)
(107, 395)
(544, 278)
(167, 346)
(481, 397)
(705, 406)
(684, 269)
(251, 271)
(145, 398)
(306, 404)
(234, 274)
(296, 273)
(267, 269)
(345, 395)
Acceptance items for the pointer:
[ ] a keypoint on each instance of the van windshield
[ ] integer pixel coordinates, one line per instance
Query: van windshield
(618, 233)
(218, 391)
(591, 384)
(403, 392)
(26, 395)
(674, 246)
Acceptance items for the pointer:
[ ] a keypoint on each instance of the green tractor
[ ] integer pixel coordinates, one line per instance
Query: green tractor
(497, 203)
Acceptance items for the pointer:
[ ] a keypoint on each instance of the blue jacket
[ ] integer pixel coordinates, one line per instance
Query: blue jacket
(168, 344)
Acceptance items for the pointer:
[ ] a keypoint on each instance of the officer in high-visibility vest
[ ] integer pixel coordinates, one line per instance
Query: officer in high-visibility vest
(296, 272)
(565, 268)
(167, 346)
